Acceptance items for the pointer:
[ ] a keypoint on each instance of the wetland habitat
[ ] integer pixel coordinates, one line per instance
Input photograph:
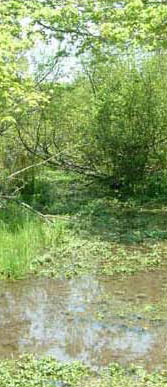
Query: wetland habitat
(83, 298)
(83, 193)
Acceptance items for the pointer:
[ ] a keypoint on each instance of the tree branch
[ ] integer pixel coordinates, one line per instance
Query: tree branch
(30, 167)
(27, 207)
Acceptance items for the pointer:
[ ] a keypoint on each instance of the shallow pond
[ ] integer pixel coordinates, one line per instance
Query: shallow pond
(93, 320)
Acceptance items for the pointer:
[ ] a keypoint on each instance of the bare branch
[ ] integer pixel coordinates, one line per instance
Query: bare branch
(29, 167)
(27, 207)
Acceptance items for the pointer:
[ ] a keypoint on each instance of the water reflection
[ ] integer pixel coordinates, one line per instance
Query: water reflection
(81, 319)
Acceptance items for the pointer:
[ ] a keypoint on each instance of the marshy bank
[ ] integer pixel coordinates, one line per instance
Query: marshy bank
(84, 230)
(86, 287)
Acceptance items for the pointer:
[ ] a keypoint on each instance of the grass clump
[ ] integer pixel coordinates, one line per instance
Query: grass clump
(17, 250)
(23, 238)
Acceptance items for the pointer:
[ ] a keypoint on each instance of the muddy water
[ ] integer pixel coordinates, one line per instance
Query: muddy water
(94, 320)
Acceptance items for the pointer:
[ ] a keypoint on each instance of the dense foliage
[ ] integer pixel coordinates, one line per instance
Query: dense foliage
(82, 93)
(107, 122)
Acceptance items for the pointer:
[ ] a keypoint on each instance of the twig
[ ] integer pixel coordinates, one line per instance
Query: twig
(29, 167)
(27, 206)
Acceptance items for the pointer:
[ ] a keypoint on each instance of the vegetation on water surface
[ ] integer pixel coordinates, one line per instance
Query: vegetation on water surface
(83, 160)
(28, 371)
(89, 231)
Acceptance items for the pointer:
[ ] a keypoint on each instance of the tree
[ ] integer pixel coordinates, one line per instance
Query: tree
(19, 95)
(97, 25)
(93, 124)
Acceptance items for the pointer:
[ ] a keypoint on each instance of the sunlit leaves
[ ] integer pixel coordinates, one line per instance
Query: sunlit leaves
(17, 89)
(136, 22)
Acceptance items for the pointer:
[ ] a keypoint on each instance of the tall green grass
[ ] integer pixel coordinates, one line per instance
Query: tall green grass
(17, 249)
(23, 237)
